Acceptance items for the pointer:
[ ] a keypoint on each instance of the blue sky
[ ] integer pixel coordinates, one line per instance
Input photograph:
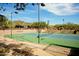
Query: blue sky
(55, 13)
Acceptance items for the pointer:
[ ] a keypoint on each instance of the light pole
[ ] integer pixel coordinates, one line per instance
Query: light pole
(12, 21)
(63, 21)
(39, 4)
(11, 24)
(63, 24)
(38, 23)
(48, 24)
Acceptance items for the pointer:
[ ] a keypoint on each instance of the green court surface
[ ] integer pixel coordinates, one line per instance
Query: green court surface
(65, 40)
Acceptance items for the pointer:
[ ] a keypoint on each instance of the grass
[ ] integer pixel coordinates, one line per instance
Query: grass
(45, 40)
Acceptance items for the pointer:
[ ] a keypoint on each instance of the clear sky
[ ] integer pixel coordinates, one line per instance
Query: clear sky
(55, 13)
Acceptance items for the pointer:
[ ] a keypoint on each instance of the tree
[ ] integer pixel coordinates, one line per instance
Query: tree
(8, 24)
(22, 6)
(3, 22)
(20, 24)
(39, 25)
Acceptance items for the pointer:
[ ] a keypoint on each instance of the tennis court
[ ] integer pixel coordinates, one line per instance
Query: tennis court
(66, 40)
